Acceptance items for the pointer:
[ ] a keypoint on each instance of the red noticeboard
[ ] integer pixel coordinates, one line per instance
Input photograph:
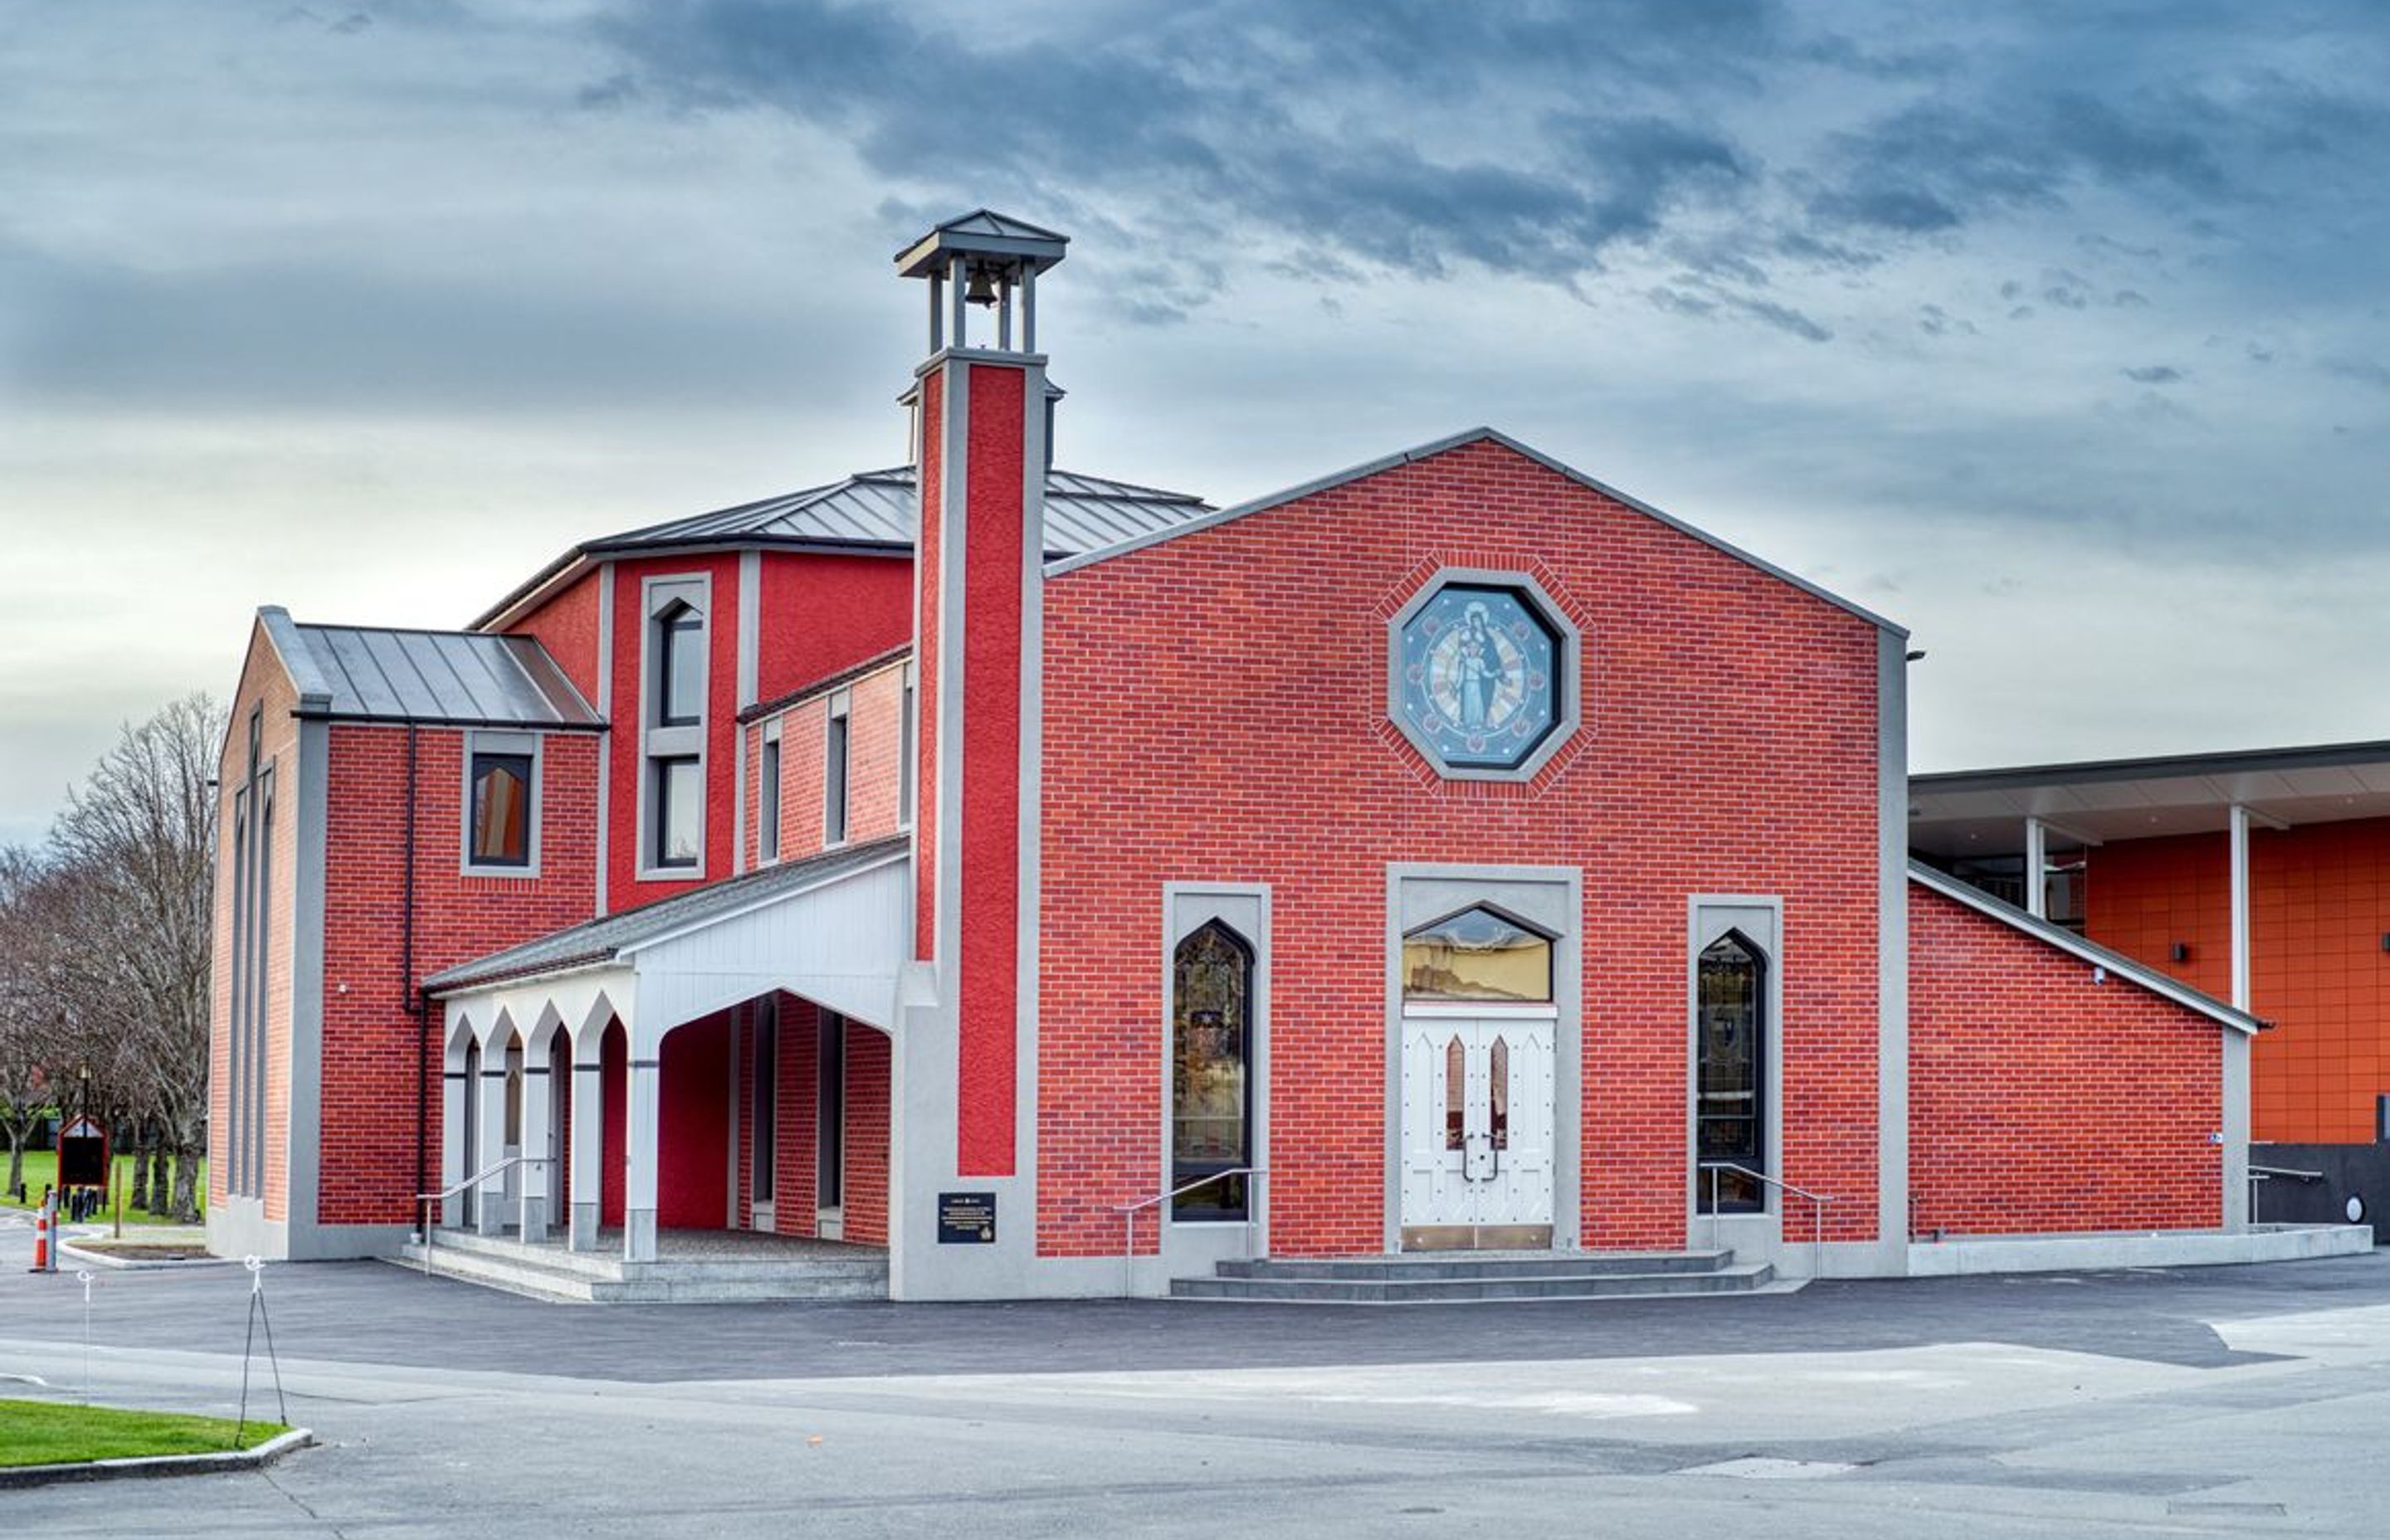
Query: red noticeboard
(83, 1154)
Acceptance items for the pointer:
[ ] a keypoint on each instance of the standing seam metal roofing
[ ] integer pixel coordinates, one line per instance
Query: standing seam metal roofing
(440, 676)
(876, 507)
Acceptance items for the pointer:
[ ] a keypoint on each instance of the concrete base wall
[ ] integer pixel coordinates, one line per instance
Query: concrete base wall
(2358, 1171)
(2071, 1253)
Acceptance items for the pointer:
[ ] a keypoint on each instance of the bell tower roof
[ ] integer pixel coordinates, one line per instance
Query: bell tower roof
(987, 236)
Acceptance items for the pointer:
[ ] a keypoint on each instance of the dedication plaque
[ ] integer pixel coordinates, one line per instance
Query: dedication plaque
(966, 1219)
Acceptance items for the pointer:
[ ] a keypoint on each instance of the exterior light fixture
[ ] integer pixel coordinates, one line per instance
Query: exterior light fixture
(2181, 951)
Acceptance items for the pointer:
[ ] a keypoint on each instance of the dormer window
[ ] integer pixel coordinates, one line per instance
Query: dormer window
(680, 665)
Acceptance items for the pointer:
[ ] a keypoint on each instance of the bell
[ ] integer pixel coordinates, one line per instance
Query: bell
(982, 287)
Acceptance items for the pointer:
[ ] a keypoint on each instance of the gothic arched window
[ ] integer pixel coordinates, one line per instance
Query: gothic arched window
(1211, 1072)
(1730, 1024)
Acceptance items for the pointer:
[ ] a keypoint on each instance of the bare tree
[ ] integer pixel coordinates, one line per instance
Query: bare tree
(134, 852)
(31, 1013)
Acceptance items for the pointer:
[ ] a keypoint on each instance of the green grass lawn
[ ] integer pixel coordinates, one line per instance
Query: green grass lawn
(42, 1166)
(54, 1432)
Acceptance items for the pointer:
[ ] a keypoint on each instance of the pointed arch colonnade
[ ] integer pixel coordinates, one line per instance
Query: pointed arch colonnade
(527, 1033)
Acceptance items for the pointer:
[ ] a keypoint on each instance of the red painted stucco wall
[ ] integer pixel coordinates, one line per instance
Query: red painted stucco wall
(2042, 1101)
(693, 1126)
(1236, 677)
(567, 627)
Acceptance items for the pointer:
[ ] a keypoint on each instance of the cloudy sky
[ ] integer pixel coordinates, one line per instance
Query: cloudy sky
(2056, 331)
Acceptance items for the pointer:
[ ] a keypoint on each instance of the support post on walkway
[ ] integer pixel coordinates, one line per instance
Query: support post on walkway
(2036, 869)
(2239, 837)
(640, 1149)
(490, 1111)
(585, 1161)
(532, 1215)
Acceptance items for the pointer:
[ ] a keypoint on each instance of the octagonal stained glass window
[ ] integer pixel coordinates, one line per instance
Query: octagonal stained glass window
(1480, 682)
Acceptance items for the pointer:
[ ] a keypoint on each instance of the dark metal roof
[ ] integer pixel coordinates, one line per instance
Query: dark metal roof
(462, 677)
(874, 510)
(878, 507)
(2232, 762)
(603, 939)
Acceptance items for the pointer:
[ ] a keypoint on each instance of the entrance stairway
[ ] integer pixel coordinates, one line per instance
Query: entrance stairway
(694, 1267)
(1450, 1277)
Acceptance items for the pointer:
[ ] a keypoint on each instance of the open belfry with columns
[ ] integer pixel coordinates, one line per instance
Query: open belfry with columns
(1450, 878)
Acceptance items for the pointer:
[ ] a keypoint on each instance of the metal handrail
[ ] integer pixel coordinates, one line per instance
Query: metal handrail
(1818, 1201)
(1128, 1213)
(2267, 1174)
(428, 1198)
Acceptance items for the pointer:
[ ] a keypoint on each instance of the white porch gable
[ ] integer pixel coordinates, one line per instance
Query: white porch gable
(836, 930)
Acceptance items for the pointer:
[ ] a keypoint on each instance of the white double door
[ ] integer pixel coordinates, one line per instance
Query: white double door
(1477, 1130)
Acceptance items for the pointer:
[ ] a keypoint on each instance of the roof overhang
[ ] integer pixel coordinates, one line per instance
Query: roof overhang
(1968, 814)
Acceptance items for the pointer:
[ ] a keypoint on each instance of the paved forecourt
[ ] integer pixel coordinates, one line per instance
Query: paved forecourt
(2222, 1400)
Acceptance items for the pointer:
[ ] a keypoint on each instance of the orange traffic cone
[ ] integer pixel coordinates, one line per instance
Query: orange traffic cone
(41, 1240)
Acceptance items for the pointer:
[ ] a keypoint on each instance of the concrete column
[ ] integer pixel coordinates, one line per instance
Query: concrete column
(453, 1103)
(585, 1161)
(488, 1208)
(2036, 869)
(2240, 838)
(640, 1141)
(534, 1211)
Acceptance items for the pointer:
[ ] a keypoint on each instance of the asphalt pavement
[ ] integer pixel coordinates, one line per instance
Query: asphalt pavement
(2244, 1401)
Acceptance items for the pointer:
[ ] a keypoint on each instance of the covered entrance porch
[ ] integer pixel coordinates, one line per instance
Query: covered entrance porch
(712, 1065)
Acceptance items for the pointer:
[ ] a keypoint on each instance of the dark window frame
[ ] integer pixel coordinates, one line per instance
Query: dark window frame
(659, 776)
(763, 1135)
(1737, 1194)
(769, 792)
(677, 626)
(1228, 1200)
(480, 761)
(838, 790)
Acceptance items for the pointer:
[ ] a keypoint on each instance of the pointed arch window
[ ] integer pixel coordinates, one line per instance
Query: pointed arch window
(1478, 953)
(1729, 1026)
(1211, 1072)
(680, 665)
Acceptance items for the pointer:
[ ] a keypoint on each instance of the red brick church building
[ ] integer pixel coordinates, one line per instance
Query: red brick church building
(1044, 884)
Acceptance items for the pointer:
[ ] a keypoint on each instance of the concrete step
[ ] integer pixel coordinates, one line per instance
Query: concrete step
(608, 1266)
(564, 1277)
(1473, 1264)
(1728, 1277)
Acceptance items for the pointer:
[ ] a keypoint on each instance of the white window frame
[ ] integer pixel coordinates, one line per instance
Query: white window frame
(480, 742)
(688, 740)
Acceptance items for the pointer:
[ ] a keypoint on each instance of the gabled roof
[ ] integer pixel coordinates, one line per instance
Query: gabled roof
(1474, 435)
(983, 232)
(2089, 951)
(459, 679)
(605, 938)
(877, 510)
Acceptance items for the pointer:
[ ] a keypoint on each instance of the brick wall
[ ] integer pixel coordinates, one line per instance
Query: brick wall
(370, 1039)
(1236, 678)
(865, 1202)
(2319, 906)
(263, 684)
(874, 729)
(2041, 1101)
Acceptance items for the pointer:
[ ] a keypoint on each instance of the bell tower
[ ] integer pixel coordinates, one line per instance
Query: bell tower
(966, 1060)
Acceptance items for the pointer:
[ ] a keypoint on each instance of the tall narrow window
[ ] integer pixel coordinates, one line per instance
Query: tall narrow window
(1211, 1092)
(500, 835)
(676, 810)
(261, 898)
(834, 775)
(1728, 1020)
(679, 666)
(907, 749)
(770, 794)
(765, 1138)
(830, 1163)
(237, 1132)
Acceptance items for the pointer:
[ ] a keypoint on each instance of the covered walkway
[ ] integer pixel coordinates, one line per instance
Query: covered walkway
(608, 1073)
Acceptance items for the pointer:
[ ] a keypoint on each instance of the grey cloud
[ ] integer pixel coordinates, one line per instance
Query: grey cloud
(2154, 374)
